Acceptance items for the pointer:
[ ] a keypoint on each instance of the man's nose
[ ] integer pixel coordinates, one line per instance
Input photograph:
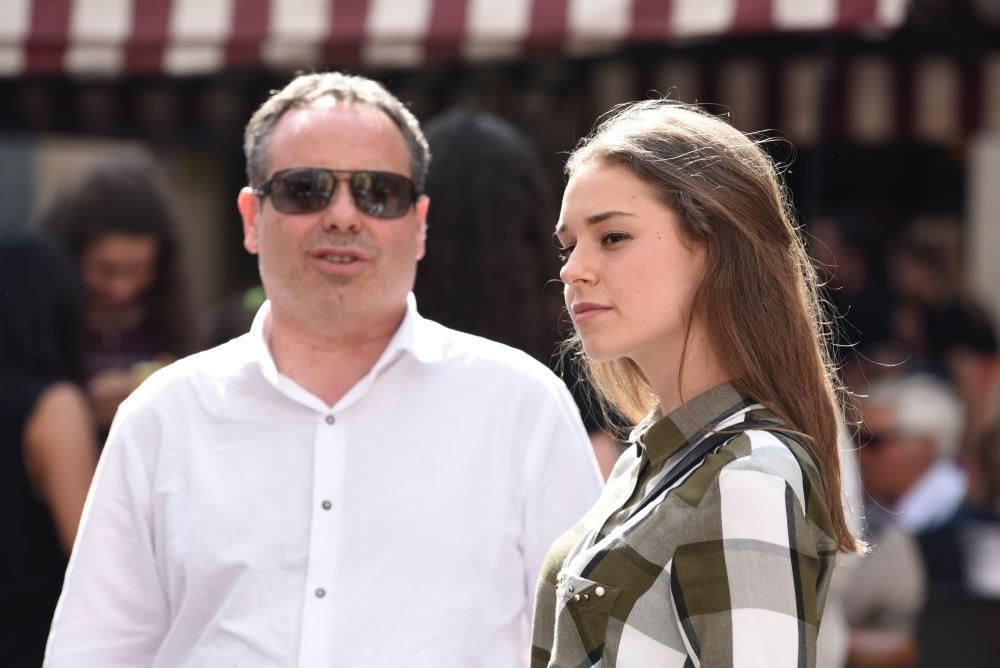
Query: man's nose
(342, 213)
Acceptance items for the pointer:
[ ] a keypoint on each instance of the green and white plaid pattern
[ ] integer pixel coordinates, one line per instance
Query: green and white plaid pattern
(729, 567)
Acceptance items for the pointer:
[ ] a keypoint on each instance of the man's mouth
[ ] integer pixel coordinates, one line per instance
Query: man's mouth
(339, 259)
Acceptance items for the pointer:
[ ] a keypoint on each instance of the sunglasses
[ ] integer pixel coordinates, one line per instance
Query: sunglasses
(310, 189)
(876, 440)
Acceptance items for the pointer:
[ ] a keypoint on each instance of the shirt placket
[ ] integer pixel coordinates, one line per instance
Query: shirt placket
(321, 598)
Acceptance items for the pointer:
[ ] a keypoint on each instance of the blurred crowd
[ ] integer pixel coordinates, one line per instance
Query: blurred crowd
(919, 361)
(95, 299)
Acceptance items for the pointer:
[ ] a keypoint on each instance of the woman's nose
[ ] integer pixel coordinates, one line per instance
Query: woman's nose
(577, 268)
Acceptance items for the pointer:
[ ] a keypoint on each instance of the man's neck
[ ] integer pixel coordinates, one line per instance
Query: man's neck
(327, 363)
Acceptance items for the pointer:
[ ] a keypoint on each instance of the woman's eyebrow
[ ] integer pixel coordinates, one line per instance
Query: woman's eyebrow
(596, 218)
(605, 215)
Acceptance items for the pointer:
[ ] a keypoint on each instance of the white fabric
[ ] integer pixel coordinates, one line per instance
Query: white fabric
(760, 639)
(637, 650)
(764, 519)
(933, 498)
(449, 470)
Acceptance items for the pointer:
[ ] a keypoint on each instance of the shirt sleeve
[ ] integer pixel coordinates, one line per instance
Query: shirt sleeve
(113, 611)
(562, 478)
(747, 596)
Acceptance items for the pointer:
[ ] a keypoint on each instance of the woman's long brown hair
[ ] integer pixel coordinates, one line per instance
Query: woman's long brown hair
(758, 300)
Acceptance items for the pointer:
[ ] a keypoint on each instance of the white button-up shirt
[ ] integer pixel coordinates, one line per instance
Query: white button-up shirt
(237, 520)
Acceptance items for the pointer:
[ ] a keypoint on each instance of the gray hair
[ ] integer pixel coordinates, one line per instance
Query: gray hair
(306, 89)
(924, 407)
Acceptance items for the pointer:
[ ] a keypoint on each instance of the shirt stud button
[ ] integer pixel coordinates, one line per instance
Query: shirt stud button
(599, 591)
(570, 589)
(320, 592)
(330, 419)
(326, 505)
(576, 597)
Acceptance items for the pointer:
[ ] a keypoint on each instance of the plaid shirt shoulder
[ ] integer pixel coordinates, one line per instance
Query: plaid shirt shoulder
(730, 566)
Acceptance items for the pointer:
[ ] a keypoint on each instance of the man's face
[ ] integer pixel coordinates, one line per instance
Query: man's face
(337, 265)
(890, 459)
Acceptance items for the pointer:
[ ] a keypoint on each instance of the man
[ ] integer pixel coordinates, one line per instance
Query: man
(906, 453)
(348, 484)
(907, 456)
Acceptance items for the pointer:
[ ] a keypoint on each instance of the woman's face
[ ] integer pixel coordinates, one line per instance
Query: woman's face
(629, 273)
(118, 268)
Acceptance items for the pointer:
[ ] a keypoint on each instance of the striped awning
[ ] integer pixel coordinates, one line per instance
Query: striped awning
(190, 37)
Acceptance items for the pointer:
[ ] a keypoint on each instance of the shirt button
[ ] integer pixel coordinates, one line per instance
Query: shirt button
(330, 419)
(320, 592)
(326, 505)
(599, 591)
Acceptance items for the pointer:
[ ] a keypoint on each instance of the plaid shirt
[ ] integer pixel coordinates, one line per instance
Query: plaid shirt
(729, 567)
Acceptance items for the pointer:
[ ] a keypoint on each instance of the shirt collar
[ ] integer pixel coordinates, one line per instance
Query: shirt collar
(415, 335)
(662, 436)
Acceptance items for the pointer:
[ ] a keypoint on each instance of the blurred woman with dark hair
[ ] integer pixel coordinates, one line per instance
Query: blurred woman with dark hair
(120, 226)
(491, 209)
(489, 255)
(47, 435)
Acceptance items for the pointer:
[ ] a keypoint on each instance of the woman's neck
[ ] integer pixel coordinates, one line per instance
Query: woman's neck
(675, 383)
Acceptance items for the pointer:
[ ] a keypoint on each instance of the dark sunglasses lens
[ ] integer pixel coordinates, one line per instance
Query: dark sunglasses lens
(381, 194)
(302, 190)
(870, 441)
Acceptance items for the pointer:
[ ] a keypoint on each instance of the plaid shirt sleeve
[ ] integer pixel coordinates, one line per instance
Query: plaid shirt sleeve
(749, 596)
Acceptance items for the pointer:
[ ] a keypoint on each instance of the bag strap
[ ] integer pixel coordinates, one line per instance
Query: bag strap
(707, 445)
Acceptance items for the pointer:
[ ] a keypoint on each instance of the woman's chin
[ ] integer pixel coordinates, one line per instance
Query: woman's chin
(598, 353)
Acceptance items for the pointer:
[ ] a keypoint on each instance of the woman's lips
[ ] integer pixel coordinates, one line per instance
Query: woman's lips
(584, 311)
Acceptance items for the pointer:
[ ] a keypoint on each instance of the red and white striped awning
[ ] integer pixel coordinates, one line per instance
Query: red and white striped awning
(188, 37)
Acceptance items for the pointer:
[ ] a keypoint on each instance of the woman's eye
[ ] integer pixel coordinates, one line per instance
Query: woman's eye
(612, 238)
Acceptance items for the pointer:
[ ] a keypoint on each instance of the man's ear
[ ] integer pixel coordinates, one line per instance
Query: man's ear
(421, 207)
(249, 205)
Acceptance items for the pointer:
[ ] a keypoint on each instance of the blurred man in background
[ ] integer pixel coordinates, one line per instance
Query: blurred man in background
(913, 429)
(908, 455)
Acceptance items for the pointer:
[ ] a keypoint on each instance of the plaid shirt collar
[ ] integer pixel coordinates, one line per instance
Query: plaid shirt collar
(662, 437)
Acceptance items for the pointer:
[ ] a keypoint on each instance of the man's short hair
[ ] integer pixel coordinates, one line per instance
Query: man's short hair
(306, 89)
(924, 406)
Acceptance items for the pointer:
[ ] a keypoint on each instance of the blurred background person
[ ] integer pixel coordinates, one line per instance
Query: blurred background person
(118, 222)
(963, 554)
(908, 448)
(939, 326)
(847, 251)
(907, 452)
(489, 228)
(489, 265)
(47, 435)
(882, 598)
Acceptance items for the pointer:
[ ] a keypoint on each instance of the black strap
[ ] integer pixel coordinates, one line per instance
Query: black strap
(709, 444)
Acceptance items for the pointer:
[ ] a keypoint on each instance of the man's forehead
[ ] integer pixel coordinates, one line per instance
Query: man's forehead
(333, 112)
(339, 134)
(880, 413)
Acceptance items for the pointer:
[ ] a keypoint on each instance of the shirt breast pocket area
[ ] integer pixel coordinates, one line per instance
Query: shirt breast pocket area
(583, 610)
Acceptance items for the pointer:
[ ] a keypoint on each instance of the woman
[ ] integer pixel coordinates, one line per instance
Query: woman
(47, 437)
(696, 307)
(119, 225)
